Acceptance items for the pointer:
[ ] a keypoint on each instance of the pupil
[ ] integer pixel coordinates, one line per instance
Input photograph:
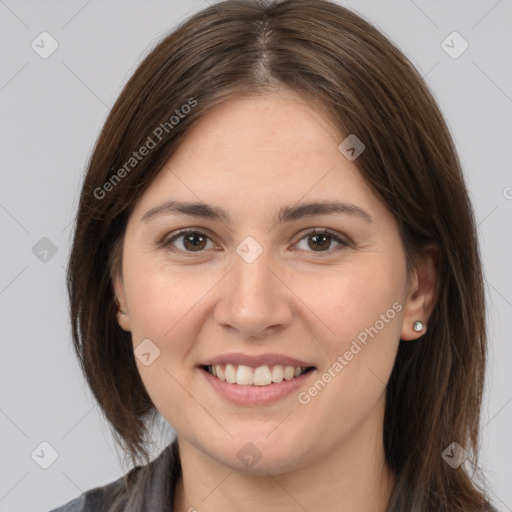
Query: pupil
(324, 238)
(189, 239)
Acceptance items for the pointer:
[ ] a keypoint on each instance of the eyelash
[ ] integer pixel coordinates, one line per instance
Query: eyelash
(167, 242)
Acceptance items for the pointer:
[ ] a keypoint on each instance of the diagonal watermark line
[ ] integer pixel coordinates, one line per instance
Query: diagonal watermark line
(377, 377)
(485, 15)
(66, 226)
(431, 69)
(279, 424)
(14, 485)
(217, 486)
(85, 84)
(302, 301)
(14, 76)
(81, 490)
(75, 15)
(286, 491)
(488, 215)
(14, 14)
(304, 195)
(12, 280)
(199, 403)
(14, 423)
(424, 13)
(501, 295)
(508, 401)
(79, 421)
(13, 218)
(492, 81)
(189, 310)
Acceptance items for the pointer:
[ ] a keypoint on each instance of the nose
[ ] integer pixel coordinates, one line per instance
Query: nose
(254, 299)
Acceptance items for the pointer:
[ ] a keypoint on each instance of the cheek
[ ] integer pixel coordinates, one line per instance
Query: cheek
(162, 299)
(163, 306)
(358, 332)
(349, 302)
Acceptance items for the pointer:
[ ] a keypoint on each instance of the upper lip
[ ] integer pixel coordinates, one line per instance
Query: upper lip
(255, 361)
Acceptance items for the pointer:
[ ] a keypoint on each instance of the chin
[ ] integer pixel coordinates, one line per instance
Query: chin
(262, 454)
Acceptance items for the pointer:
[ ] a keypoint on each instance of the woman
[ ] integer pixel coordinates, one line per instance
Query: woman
(275, 251)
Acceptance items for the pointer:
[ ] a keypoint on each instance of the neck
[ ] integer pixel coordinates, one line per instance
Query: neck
(351, 477)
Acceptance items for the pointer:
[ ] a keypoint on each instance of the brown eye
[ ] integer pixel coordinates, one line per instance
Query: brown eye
(194, 241)
(191, 241)
(320, 241)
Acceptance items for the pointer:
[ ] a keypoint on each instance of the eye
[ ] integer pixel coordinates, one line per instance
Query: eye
(192, 241)
(320, 240)
(196, 241)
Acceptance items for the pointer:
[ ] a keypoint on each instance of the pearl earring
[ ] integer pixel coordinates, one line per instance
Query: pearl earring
(418, 326)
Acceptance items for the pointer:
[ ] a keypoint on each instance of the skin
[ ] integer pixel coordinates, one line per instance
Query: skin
(252, 156)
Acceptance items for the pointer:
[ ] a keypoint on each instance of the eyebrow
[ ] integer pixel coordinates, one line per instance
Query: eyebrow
(285, 214)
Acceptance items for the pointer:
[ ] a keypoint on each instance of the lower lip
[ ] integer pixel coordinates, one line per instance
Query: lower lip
(255, 395)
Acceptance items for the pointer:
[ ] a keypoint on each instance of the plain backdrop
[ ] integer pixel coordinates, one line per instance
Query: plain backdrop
(51, 112)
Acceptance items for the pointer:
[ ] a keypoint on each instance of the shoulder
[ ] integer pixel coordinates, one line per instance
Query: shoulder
(100, 498)
(148, 487)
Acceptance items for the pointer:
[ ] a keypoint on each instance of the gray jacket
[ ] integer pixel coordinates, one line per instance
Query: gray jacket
(143, 488)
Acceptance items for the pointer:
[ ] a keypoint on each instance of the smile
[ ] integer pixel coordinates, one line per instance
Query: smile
(264, 375)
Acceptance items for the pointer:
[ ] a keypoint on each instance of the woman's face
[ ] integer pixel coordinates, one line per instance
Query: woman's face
(253, 290)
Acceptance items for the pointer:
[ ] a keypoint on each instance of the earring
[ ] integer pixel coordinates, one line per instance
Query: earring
(116, 300)
(418, 326)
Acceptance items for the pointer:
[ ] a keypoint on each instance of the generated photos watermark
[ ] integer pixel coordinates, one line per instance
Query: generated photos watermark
(151, 142)
(304, 397)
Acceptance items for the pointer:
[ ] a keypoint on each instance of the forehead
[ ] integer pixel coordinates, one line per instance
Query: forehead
(283, 121)
(260, 151)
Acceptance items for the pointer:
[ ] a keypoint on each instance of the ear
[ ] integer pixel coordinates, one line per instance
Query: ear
(423, 291)
(120, 298)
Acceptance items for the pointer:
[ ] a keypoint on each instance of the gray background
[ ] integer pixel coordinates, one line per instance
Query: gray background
(51, 112)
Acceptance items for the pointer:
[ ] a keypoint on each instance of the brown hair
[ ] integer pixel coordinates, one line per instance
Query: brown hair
(328, 53)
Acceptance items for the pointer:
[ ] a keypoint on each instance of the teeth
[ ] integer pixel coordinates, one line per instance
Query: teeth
(230, 373)
(277, 373)
(244, 375)
(289, 373)
(261, 376)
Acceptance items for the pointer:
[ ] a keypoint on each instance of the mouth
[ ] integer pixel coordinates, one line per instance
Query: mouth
(255, 380)
(264, 375)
